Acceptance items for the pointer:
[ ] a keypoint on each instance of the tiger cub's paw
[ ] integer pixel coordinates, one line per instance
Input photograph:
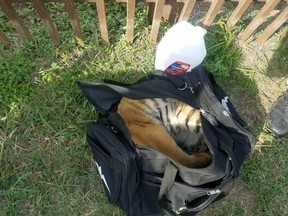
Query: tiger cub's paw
(201, 159)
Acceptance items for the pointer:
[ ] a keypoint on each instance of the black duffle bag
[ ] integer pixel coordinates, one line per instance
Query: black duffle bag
(143, 181)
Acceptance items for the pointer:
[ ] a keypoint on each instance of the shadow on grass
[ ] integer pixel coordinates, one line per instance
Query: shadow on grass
(269, 168)
(278, 64)
(224, 60)
(45, 162)
(46, 166)
(261, 189)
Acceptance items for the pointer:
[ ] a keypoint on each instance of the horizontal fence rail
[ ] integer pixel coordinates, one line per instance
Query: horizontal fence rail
(157, 10)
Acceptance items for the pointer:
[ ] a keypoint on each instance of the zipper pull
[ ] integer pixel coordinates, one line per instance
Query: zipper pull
(202, 111)
(112, 128)
(181, 210)
(209, 193)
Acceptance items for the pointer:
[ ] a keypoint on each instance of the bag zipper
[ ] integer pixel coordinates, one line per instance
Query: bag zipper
(121, 137)
(125, 159)
(210, 117)
(201, 193)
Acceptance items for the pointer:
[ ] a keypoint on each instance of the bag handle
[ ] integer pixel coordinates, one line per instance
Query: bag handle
(168, 182)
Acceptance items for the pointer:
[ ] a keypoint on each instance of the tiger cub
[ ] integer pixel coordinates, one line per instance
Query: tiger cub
(169, 126)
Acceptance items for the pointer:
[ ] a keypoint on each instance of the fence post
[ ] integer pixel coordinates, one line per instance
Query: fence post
(238, 12)
(100, 5)
(259, 18)
(212, 12)
(187, 9)
(72, 13)
(6, 6)
(159, 5)
(130, 19)
(44, 15)
(274, 26)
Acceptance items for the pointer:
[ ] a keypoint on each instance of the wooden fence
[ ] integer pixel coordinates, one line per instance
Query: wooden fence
(157, 9)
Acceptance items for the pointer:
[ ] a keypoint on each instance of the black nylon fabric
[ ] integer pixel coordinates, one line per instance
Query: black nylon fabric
(116, 164)
(224, 132)
(201, 90)
(156, 85)
(103, 95)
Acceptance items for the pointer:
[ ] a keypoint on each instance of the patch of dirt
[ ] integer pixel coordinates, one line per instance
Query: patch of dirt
(242, 195)
(239, 196)
(271, 81)
(263, 59)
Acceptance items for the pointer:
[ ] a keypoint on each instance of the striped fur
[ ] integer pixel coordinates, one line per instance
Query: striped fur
(169, 126)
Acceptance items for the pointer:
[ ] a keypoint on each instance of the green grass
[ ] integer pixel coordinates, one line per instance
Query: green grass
(46, 165)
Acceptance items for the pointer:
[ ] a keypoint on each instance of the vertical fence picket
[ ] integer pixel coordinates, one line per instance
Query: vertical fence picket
(130, 19)
(3, 38)
(187, 9)
(158, 9)
(212, 12)
(159, 5)
(238, 12)
(74, 20)
(269, 30)
(45, 17)
(100, 4)
(284, 35)
(9, 11)
(260, 17)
